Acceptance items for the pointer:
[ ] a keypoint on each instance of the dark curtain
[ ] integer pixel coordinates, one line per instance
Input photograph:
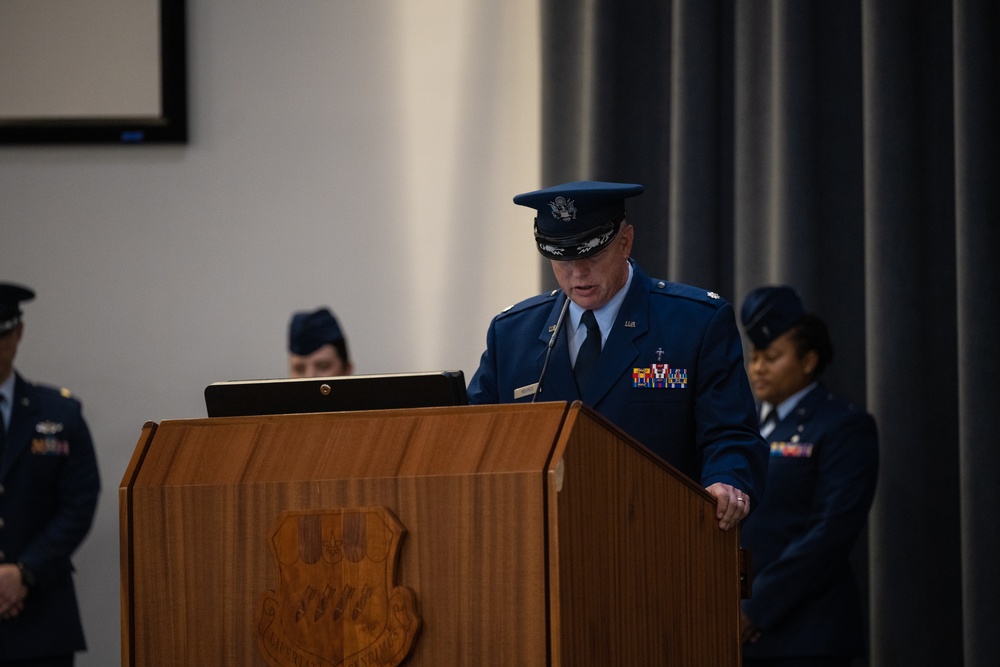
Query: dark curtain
(852, 149)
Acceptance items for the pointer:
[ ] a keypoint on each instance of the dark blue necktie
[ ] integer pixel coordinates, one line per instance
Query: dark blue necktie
(586, 359)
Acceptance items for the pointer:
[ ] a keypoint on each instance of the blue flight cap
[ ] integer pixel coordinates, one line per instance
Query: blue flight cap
(11, 296)
(770, 311)
(311, 330)
(577, 219)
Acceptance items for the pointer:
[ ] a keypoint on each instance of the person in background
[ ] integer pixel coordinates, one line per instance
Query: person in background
(49, 484)
(806, 610)
(662, 361)
(317, 346)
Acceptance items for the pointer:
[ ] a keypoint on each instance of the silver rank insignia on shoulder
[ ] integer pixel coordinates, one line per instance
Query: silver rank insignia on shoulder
(507, 308)
(714, 295)
(527, 390)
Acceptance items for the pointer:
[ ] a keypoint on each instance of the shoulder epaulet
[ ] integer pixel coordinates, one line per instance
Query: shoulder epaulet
(62, 392)
(529, 303)
(686, 291)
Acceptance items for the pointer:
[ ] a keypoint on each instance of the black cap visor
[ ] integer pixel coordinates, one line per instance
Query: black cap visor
(580, 245)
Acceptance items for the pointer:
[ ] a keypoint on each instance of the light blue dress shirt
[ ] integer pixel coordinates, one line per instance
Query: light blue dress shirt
(784, 409)
(605, 315)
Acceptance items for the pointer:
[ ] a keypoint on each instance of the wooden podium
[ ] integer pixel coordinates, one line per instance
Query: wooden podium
(489, 535)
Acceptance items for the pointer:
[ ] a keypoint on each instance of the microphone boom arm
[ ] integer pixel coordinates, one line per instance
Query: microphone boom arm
(548, 350)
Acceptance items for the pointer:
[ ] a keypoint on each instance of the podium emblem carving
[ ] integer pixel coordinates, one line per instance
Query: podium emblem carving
(336, 603)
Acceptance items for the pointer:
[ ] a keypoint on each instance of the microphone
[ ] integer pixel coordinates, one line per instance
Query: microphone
(548, 349)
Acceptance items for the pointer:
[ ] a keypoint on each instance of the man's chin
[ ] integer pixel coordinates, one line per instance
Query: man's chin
(588, 299)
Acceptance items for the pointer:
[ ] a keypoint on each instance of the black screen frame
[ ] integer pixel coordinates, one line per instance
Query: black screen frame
(246, 398)
(170, 127)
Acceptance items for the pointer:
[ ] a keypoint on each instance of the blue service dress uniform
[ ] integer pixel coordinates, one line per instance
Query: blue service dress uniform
(49, 484)
(670, 374)
(821, 482)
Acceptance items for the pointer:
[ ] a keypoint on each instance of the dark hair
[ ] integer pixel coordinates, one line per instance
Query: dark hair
(810, 333)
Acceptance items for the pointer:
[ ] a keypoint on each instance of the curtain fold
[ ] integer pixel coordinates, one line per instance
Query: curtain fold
(977, 221)
(850, 149)
(910, 267)
(699, 208)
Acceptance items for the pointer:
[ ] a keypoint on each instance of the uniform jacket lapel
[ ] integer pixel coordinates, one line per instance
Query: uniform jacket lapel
(559, 382)
(621, 349)
(22, 423)
(788, 427)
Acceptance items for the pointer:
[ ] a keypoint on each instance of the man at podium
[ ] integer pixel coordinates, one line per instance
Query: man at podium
(661, 360)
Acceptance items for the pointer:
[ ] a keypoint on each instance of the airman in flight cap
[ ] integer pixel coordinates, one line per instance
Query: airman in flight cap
(317, 346)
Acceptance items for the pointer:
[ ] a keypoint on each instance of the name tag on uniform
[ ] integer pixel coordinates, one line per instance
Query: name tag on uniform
(527, 390)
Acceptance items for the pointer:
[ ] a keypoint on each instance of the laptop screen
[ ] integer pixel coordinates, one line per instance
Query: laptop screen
(334, 394)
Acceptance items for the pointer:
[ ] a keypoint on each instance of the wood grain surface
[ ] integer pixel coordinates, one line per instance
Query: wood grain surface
(534, 535)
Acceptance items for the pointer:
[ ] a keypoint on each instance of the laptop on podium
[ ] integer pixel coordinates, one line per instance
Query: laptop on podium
(243, 398)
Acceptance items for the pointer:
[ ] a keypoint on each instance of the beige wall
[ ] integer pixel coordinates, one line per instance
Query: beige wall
(360, 155)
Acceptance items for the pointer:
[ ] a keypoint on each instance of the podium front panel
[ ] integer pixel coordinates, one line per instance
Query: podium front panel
(509, 535)
(467, 484)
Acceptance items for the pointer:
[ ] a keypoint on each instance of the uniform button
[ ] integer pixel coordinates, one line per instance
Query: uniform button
(1, 488)
(3, 557)
(1, 522)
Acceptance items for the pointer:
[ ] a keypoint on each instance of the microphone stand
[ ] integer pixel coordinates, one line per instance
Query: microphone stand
(548, 350)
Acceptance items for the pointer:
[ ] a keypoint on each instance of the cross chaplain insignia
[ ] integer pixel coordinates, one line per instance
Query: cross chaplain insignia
(336, 603)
